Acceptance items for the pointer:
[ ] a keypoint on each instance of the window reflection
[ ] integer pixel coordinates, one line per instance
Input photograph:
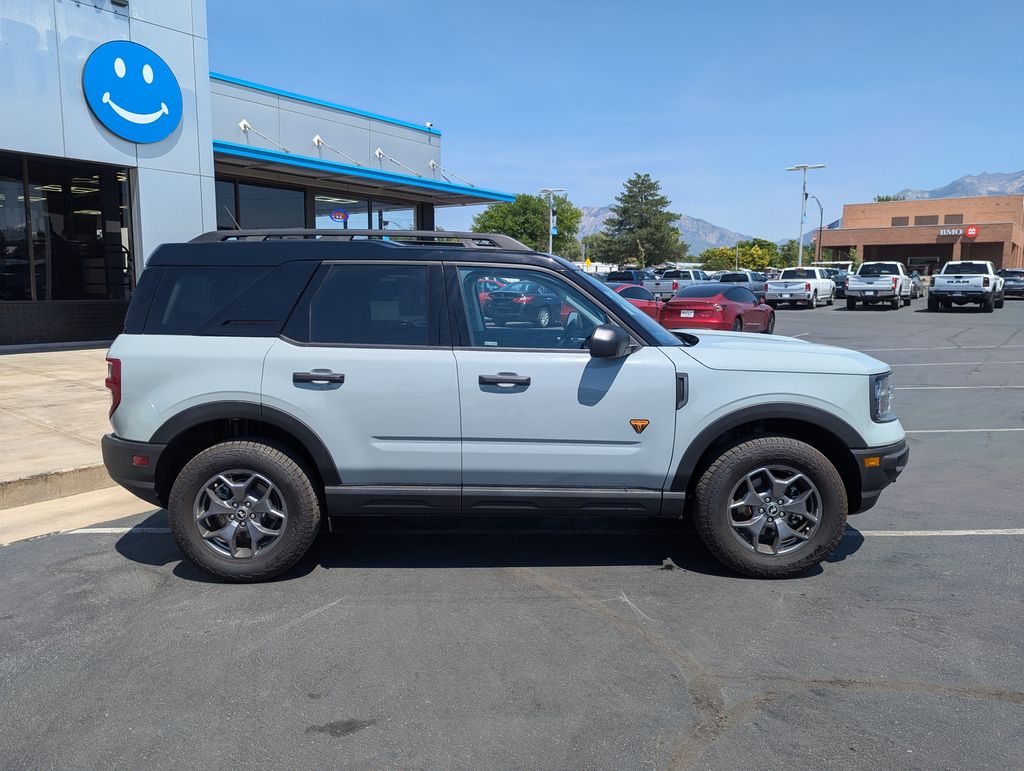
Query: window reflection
(338, 211)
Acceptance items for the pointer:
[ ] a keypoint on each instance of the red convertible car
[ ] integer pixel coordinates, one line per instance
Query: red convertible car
(717, 306)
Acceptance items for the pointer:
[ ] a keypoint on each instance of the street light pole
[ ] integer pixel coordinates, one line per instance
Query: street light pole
(550, 193)
(803, 205)
(821, 226)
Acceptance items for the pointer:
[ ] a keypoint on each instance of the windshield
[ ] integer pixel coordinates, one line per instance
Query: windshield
(700, 290)
(733, 278)
(656, 331)
(878, 269)
(797, 273)
(970, 268)
(622, 275)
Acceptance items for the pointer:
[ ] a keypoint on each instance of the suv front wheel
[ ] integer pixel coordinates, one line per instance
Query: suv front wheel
(771, 507)
(244, 510)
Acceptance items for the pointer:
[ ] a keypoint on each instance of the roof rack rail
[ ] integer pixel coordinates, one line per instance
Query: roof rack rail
(409, 237)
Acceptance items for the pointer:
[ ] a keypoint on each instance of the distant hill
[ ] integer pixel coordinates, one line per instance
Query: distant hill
(972, 185)
(699, 234)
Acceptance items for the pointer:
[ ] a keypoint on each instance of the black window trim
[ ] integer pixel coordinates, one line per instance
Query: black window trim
(460, 326)
(437, 310)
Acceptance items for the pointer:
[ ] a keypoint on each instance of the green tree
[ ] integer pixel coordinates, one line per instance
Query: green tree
(718, 258)
(640, 226)
(526, 220)
(790, 252)
(598, 247)
(885, 198)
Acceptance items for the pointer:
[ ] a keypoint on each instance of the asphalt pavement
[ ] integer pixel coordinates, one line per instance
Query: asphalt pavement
(508, 643)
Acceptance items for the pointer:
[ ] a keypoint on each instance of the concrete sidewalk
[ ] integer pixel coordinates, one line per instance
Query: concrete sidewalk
(53, 412)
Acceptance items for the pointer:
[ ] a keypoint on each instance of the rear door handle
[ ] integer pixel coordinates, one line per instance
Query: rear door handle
(505, 378)
(318, 377)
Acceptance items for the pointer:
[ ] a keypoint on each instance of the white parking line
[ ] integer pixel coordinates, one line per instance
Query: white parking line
(117, 530)
(951, 388)
(931, 533)
(956, 363)
(942, 348)
(802, 334)
(961, 430)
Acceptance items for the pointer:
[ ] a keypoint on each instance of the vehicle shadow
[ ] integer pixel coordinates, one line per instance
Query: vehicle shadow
(479, 542)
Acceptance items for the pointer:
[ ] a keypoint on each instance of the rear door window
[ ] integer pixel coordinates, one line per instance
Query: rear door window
(360, 304)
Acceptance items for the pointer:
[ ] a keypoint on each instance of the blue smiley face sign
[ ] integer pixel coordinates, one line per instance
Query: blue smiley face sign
(132, 91)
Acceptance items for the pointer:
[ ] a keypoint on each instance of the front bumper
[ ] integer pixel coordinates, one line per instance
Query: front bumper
(1014, 290)
(137, 479)
(873, 479)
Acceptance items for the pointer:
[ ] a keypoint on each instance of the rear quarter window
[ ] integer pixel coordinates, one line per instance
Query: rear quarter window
(225, 300)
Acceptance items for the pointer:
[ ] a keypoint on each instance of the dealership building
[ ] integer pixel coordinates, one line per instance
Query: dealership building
(116, 138)
(925, 234)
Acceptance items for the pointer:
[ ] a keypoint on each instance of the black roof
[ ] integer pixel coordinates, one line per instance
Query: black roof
(272, 248)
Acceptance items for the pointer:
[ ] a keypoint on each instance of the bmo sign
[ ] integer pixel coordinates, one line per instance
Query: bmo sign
(971, 231)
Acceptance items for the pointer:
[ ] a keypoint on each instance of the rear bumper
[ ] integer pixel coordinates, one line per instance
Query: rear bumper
(960, 294)
(892, 460)
(871, 294)
(136, 479)
(787, 296)
(681, 323)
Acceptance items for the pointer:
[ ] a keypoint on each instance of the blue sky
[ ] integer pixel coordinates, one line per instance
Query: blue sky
(712, 99)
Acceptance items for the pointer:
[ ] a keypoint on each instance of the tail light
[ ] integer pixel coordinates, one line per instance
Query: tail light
(807, 287)
(113, 382)
(895, 281)
(984, 281)
(718, 307)
(523, 300)
(846, 282)
(675, 285)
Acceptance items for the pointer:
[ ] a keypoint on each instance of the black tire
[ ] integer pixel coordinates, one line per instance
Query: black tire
(894, 303)
(831, 298)
(851, 304)
(769, 328)
(543, 318)
(711, 511)
(933, 303)
(813, 302)
(906, 301)
(989, 305)
(292, 481)
(1001, 302)
(737, 324)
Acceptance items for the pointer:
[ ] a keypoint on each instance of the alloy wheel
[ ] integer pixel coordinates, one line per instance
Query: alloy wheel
(240, 514)
(774, 510)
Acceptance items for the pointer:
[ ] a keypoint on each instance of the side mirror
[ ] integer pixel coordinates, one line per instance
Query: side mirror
(609, 341)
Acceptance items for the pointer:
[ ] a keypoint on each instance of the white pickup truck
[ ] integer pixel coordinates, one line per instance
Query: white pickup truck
(801, 285)
(879, 282)
(959, 283)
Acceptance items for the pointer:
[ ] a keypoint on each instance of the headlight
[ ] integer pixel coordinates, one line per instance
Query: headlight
(881, 398)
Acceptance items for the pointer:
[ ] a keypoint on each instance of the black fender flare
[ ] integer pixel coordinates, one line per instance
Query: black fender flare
(214, 411)
(807, 415)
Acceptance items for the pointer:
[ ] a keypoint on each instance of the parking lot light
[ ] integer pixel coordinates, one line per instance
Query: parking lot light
(803, 206)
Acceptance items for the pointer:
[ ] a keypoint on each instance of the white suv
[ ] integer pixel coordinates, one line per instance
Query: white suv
(266, 379)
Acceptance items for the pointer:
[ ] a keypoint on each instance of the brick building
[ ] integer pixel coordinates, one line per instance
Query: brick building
(926, 234)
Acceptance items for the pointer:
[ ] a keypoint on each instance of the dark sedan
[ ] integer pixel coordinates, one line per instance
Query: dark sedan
(524, 301)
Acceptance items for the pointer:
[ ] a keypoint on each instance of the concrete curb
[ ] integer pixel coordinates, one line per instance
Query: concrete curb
(53, 484)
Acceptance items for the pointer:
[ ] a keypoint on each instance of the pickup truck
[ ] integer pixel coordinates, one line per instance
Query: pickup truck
(879, 282)
(663, 288)
(755, 282)
(801, 285)
(959, 283)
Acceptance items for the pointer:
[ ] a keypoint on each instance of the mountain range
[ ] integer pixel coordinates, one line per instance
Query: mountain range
(701, 234)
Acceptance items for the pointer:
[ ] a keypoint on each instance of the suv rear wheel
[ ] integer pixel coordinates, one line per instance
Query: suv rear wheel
(771, 507)
(244, 510)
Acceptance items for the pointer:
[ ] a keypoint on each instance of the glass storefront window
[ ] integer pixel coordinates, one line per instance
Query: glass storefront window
(227, 216)
(393, 216)
(338, 211)
(262, 206)
(15, 268)
(72, 241)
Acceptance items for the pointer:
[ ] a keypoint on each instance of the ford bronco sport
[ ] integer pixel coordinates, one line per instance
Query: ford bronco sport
(268, 379)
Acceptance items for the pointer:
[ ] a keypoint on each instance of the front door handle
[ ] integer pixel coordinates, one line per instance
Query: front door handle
(324, 376)
(505, 378)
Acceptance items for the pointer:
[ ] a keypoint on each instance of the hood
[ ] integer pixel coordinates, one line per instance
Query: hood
(746, 352)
